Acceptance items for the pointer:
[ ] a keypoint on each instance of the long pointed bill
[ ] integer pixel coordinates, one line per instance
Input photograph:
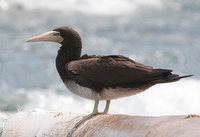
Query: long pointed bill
(51, 36)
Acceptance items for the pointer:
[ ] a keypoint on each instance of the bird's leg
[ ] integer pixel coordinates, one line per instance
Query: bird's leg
(107, 107)
(95, 109)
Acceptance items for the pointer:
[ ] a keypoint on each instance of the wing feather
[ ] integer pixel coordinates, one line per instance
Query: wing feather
(110, 71)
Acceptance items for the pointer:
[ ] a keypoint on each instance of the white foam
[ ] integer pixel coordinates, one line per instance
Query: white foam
(47, 100)
(4, 5)
(103, 7)
(176, 98)
(164, 99)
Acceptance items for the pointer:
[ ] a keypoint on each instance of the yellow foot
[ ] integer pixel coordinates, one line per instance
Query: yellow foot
(192, 116)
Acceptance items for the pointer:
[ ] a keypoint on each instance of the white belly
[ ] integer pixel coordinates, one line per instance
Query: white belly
(105, 94)
(81, 91)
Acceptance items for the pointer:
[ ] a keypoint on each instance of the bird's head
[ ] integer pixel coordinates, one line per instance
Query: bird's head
(63, 35)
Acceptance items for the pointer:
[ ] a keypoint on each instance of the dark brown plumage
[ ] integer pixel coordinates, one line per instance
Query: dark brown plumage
(101, 77)
(115, 71)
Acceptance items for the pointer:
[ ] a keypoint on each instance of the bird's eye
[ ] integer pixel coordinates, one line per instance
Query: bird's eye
(56, 34)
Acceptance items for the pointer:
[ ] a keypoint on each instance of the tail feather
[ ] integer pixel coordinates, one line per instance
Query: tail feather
(185, 76)
(171, 78)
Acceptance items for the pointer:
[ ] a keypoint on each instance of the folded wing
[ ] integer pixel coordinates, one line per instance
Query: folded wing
(113, 71)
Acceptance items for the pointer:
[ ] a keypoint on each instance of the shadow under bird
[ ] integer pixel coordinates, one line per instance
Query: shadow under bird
(101, 77)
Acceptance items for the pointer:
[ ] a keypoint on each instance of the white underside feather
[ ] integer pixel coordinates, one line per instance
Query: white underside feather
(106, 94)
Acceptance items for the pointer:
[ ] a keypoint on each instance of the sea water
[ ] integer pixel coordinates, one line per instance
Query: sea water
(160, 33)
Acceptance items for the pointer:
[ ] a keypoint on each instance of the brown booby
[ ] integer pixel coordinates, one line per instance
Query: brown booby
(101, 77)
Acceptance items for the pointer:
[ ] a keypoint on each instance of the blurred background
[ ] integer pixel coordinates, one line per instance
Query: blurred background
(160, 33)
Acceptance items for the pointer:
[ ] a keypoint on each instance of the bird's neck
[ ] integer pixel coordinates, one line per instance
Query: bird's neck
(66, 55)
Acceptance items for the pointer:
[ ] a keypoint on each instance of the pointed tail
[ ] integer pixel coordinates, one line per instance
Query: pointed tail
(171, 78)
(165, 76)
(175, 77)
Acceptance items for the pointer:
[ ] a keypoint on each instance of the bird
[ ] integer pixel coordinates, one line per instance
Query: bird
(97, 77)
